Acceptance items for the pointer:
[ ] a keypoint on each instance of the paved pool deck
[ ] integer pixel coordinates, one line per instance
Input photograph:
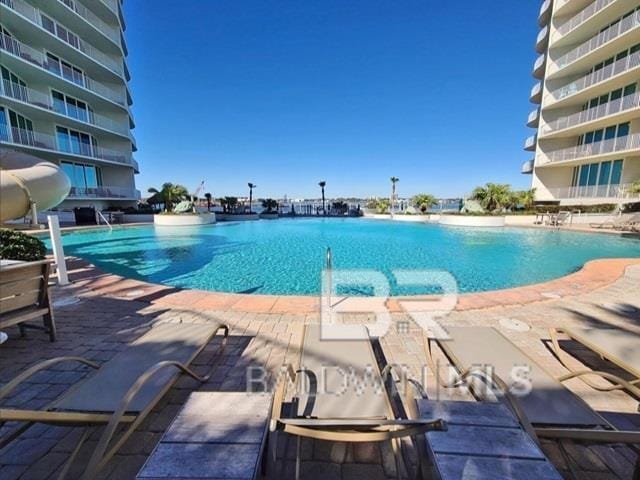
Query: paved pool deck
(99, 314)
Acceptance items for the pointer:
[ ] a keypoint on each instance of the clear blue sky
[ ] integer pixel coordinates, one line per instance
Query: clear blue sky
(287, 93)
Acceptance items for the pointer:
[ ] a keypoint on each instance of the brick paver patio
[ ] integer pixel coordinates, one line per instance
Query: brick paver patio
(99, 314)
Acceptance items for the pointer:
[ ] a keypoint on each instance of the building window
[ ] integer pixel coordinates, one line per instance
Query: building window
(65, 70)
(4, 126)
(82, 175)
(59, 31)
(75, 142)
(21, 129)
(621, 130)
(71, 107)
(14, 86)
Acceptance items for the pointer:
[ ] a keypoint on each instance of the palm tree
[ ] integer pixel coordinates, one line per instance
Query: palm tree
(527, 198)
(394, 180)
(270, 205)
(424, 201)
(251, 187)
(493, 196)
(169, 194)
(228, 204)
(208, 197)
(322, 184)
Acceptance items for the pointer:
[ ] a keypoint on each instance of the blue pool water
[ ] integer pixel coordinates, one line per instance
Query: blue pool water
(286, 256)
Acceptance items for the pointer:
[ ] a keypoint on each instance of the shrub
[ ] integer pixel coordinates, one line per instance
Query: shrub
(19, 246)
(598, 208)
(631, 207)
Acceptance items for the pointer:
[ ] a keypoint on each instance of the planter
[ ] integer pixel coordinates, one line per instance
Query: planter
(184, 220)
(269, 216)
(471, 221)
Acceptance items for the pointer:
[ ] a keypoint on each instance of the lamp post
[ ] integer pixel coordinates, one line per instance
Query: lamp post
(322, 184)
(251, 187)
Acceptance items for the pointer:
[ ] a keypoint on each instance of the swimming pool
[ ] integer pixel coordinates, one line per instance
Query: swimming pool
(286, 256)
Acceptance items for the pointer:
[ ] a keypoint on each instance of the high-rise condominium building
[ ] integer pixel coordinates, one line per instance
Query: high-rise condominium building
(587, 116)
(64, 95)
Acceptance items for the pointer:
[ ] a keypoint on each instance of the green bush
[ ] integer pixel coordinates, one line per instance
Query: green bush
(631, 207)
(19, 246)
(598, 208)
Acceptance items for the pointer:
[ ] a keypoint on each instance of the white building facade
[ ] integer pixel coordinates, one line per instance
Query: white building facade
(587, 102)
(64, 95)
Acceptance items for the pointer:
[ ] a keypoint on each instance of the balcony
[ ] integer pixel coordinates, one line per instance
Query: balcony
(623, 65)
(536, 93)
(582, 16)
(111, 193)
(545, 13)
(530, 143)
(539, 66)
(45, 141)
(543, 40)
(527, 167)
(33, 15)
(92, 19)
(35, 57)
(595, 191)
(604, 147)
(534, 118)
(614, 107)
(604, 37)
(38, 99)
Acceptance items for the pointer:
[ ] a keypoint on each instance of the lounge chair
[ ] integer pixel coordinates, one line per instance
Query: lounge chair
(228, 432)
(550, 408)
(324, 407)
(24, 296)
(121, 392)
(559, 219)
(620, 223)
(620, 347)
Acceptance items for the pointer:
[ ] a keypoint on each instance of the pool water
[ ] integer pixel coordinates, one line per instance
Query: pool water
(286, 256)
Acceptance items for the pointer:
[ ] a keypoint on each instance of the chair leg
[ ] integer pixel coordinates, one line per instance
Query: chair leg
(50, 325)
(298, 456)
(69, 462)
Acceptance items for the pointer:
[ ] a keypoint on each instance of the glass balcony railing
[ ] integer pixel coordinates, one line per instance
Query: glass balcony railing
(611, 33)
(45, 141)
(623, 65)
(110, 31)
(530, 142)
(613, 107)
(612, 145)
(39, 99)
(105, 192)
(19, 49)
(35, 16)
(536, 93)
(595, 191)
(533, 118)
(582, 16)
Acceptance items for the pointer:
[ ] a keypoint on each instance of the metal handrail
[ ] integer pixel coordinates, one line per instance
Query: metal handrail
(100, 215)
(611, 33)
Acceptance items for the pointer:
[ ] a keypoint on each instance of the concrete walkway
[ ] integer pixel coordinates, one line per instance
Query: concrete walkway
(99, 314)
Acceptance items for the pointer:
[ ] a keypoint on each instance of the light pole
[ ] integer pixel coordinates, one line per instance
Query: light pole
(251, 187)
(322, 184)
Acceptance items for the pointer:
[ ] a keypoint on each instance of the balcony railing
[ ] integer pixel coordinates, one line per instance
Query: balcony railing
(584, 15)
(19, 49)
(622, 104)
(530, 142)
(603, 147)
(533, 118)
(104, 192)
(545, 12)
(34, 15)
(35, 139)
(108, 30)
(39, 99)
(527, 167)
(599, 40)
(538, 66)
(624, 64)
(536, 93)
(541, 40)
(595, 191)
